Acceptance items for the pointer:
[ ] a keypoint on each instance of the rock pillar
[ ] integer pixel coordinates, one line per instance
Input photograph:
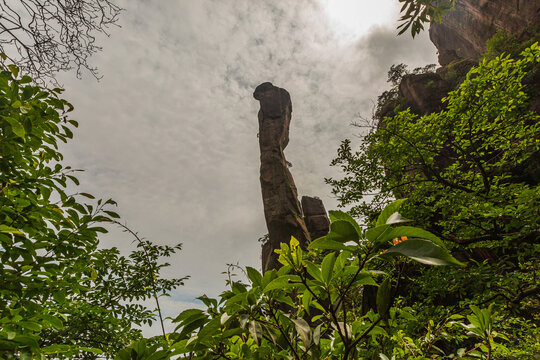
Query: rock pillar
(280, 199)
(315, 216)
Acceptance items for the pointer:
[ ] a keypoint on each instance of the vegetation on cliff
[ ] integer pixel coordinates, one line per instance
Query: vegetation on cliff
(470, 173)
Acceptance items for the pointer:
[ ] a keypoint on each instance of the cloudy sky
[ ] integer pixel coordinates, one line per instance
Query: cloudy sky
(170, 132)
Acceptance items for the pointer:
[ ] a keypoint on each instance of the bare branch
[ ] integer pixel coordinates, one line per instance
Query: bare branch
(45, 37)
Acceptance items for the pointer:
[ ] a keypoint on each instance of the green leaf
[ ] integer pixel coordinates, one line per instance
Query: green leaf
(90, 196)
(112, 214)
(324, 243)
(254, 276)
(336, 215)
(31, 325)
(306, 300)
(16, 126)
(56, 349)
(364, 278)
(186, 314)
(342, 231)
(283, 282)
(375, 234)
(314, 271)
(388, 211)
(9, 230)
(93, 274)
(327, 267)
(14, 70)
(54, 321)
(411, 232)
(423, 251)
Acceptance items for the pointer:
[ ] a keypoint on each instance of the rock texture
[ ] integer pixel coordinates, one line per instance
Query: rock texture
(463, 32)
(280, 199)
(315, 217)
(423, 92)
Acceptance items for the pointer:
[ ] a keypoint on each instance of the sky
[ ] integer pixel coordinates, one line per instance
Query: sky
(170, 131)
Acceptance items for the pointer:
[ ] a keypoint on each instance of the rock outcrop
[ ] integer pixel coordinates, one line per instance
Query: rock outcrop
(280, 199)
(423, 92)
(315, 217)
(460, 39)
(463, 32)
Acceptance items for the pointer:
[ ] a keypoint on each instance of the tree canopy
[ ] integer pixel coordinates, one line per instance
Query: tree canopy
(60, 294)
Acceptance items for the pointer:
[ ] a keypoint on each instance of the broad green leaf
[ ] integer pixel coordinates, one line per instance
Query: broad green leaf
(423, 251)
(186, 314)
(31, 325)
(54, 321)
(324, 243)
(306, 300)
(283, 282)
(9, 230)
(16, 126)
(388, 211)
(410, 232)
(14, 70)
(364, 278)
(314, 271)
(327, 267)
(336, 215)
(254, 276)
(342, 231)
(375, 234)
(209, 329)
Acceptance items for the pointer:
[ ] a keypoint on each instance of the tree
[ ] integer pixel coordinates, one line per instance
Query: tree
(60, 294)
(45, 37)
(470, 175)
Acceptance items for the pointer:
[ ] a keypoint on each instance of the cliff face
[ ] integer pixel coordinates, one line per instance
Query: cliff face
(460, 39)
(280, 199)
(463, 32)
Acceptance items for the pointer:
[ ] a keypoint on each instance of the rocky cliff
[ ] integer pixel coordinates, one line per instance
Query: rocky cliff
(461, 39)
(463, 32)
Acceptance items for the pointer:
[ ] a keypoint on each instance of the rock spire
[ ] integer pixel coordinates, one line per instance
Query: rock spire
(280, 199)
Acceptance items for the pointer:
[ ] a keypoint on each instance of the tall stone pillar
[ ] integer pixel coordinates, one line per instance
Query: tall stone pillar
(280, 199)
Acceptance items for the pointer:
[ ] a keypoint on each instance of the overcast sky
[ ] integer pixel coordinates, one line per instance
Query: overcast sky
(170, 132)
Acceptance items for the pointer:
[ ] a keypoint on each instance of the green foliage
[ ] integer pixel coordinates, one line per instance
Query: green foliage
(455, 166)
(415, 13)
(60, 295)
(309, 308)
(503, 42)
(470, 173)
